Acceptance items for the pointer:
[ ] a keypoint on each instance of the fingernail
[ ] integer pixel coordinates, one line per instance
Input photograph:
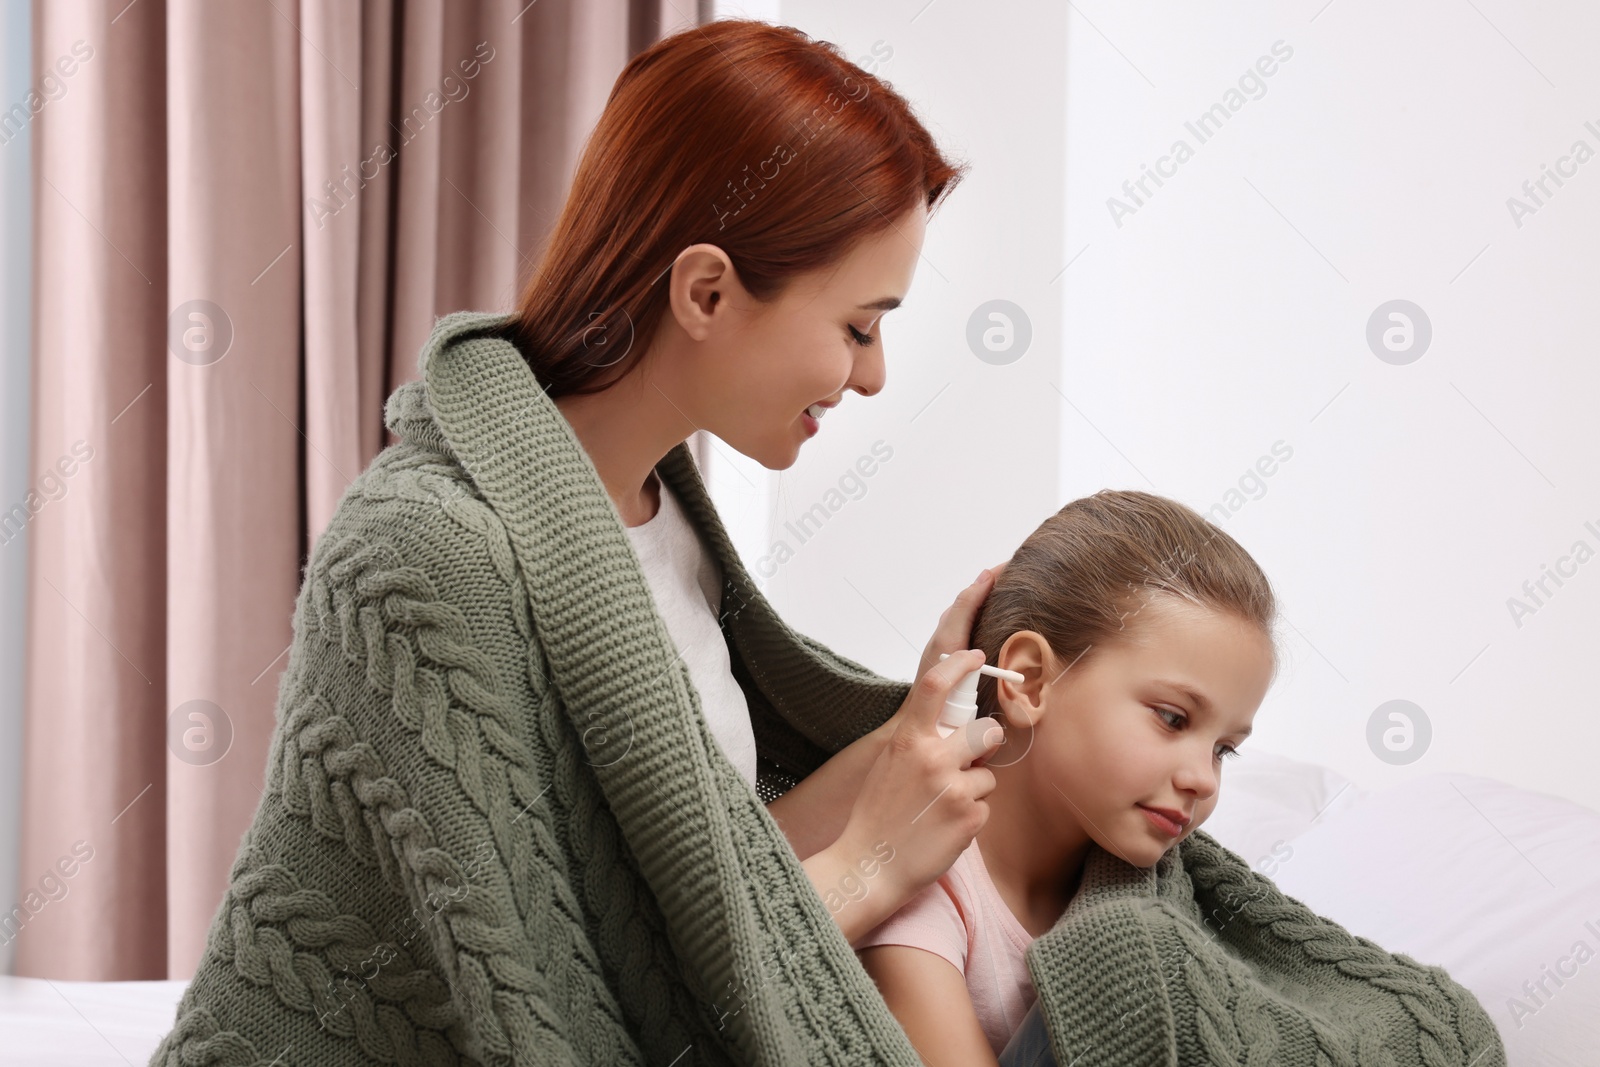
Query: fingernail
(981, 575)
(994, 736)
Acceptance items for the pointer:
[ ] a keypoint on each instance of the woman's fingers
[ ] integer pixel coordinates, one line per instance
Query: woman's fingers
(967, 601)
(978, 740)
(922, 795)
(954, 629)
(928, 696)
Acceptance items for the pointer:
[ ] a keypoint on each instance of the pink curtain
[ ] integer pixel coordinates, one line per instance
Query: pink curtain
(248, 216)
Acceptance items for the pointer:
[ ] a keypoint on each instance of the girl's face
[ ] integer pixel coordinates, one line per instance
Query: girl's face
(754, 368)
(1146, 721)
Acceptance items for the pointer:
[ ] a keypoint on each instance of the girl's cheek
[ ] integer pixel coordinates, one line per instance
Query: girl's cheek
(1112, 749)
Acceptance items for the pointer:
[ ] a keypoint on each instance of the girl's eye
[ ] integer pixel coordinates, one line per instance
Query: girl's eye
(862, 339)
(1227, 751)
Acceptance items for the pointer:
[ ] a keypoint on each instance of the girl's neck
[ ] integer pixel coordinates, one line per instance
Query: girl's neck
(1034, 867)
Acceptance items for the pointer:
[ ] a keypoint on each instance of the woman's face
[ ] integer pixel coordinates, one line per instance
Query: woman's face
(1116, 732)
(747, 371)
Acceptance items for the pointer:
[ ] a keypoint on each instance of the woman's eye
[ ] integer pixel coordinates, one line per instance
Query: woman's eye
(1228, 752)
(862, 339)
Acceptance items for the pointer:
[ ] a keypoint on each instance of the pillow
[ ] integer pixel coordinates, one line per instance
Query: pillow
(1268, 800)
(1498, 885)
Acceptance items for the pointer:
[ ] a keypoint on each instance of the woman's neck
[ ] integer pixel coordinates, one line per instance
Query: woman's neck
(626, 430)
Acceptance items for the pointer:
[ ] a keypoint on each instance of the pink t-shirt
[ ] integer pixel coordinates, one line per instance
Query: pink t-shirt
(962, 917)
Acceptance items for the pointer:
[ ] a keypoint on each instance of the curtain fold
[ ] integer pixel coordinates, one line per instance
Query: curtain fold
(248, 217)
(94, 751)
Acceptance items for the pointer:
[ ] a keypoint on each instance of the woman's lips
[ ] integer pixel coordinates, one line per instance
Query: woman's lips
(811, 418)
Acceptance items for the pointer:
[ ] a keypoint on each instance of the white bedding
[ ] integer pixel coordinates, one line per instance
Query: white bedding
(45, 1022)
(1498, 885)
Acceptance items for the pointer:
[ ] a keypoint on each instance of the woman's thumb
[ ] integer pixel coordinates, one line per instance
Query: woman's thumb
(983, 736)
(944, 676)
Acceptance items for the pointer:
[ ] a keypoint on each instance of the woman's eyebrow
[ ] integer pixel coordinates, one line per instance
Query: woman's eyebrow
(887, 303)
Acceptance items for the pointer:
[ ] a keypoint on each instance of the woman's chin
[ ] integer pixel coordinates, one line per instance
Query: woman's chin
(771, 454)
(777, 456)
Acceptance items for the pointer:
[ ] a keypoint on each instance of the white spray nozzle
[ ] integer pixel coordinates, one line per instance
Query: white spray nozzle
(961, 706)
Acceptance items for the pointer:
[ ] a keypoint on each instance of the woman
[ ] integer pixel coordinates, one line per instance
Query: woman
(503, 820)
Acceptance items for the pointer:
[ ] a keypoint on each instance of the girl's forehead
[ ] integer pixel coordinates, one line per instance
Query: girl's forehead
(1217, 654)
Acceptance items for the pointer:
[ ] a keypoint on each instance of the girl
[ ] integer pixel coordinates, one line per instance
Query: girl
(1144, 638)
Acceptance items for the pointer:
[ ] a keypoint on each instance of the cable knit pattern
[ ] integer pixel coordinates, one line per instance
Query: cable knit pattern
(1201, 960)
(498, 830)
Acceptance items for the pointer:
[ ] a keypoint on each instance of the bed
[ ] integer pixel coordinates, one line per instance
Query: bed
(1499, 885)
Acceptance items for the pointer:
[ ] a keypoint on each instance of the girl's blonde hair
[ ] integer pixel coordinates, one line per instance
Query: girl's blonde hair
(1081, 578)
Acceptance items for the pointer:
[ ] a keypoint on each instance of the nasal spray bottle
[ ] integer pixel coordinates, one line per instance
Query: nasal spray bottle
(961, 707)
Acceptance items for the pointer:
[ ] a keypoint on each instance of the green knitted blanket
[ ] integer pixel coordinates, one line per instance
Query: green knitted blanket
(497, 830)
(1200, 960)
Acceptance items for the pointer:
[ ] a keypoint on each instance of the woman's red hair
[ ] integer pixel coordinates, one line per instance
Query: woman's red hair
(749, 136)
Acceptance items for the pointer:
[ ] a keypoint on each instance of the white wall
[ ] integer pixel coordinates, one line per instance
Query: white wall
(1226, 316)
(972, 448)
(1230, 312)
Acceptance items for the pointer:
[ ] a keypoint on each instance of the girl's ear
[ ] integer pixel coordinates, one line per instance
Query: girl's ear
(1021, 704)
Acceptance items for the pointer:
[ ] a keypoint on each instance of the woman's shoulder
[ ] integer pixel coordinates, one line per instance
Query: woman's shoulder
(415, 494)
(413, 533)
(412, 629)
(415, 508)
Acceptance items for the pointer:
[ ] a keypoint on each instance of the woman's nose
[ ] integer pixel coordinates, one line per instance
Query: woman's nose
(869, 373)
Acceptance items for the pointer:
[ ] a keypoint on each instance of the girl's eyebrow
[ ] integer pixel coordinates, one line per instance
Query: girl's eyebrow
(887, 303)
(1199, 699)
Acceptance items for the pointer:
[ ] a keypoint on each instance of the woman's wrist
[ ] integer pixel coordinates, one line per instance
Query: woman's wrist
(858, 884)
(813, 814)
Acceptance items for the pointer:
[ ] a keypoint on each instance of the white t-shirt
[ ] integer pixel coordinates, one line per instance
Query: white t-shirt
(686, 583)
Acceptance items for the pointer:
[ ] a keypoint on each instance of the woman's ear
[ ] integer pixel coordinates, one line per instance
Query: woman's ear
(701, 280)
(1023, 703)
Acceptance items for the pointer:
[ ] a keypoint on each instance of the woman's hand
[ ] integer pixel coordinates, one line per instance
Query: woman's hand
(812, 814)
(920, 805)
(954, 632)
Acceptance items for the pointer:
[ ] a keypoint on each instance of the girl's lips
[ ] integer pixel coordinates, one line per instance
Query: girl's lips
(1161, 822)
(811, 425)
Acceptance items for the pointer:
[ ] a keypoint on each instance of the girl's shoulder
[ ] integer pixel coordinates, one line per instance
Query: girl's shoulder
(938, 918)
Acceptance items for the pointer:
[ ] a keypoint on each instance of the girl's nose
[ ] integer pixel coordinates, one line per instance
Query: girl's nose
(1198, 777)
